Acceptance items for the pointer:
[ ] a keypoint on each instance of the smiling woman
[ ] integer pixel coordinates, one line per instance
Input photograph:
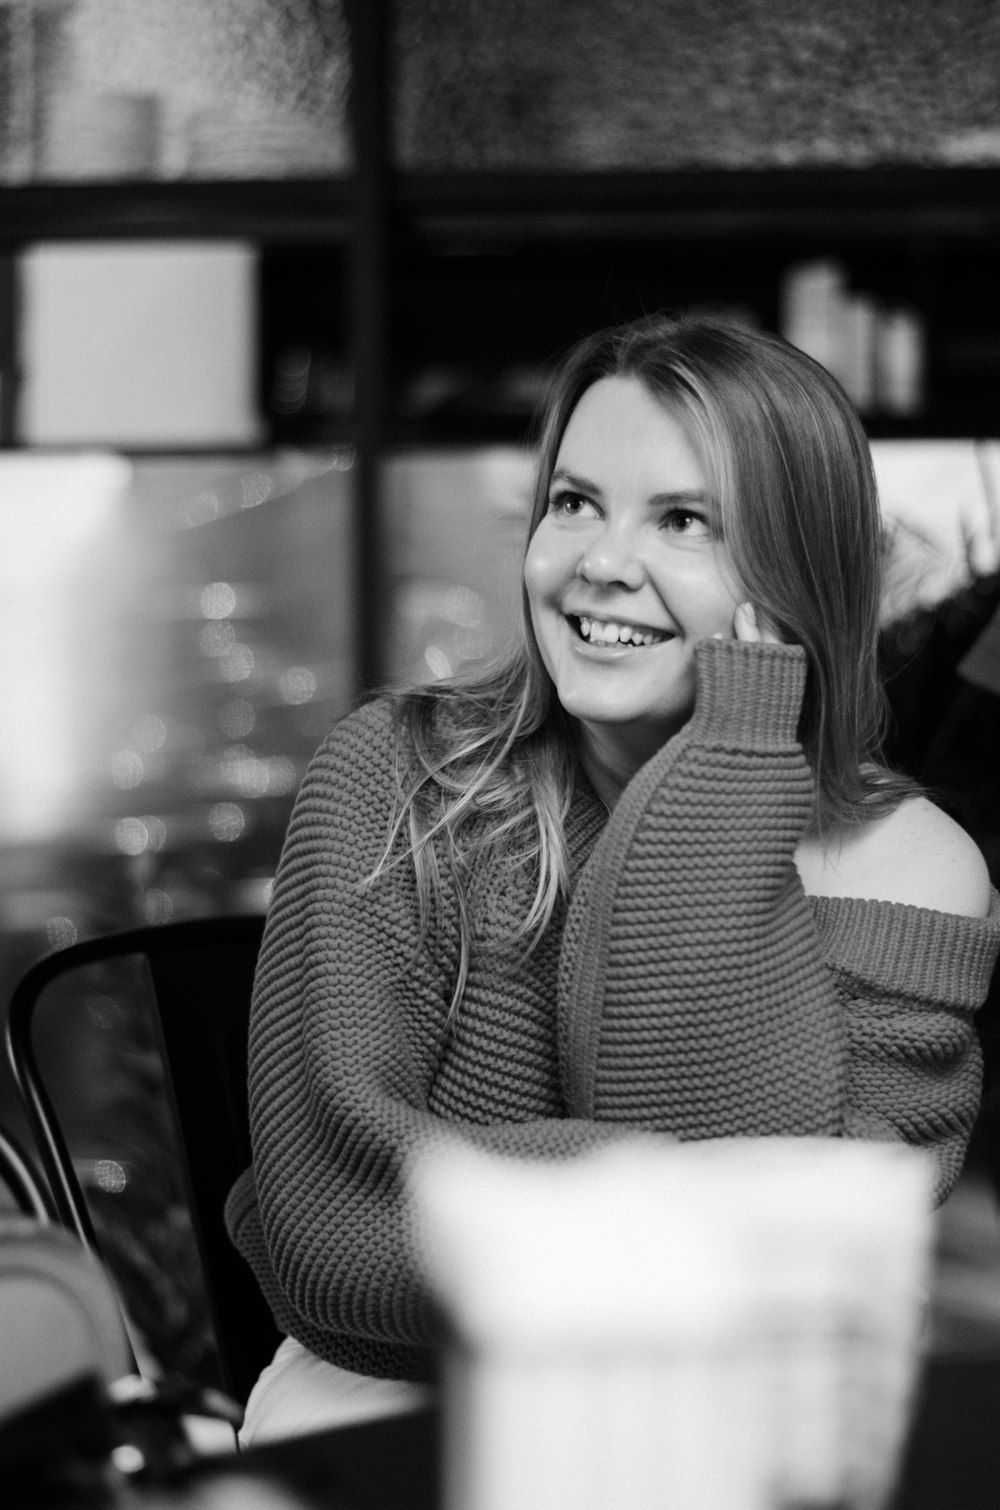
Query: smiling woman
(625, 573)
(648, 873)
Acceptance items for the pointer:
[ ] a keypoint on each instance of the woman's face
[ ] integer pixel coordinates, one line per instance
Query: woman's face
(626, 572)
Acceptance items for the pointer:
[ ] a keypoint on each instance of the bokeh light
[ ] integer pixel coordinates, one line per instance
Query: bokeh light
(297, 685)
(227, 822)
(218, 600)
(61, 932)
(237, 718)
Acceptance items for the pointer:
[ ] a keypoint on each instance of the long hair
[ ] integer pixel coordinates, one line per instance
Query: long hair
(489, 765)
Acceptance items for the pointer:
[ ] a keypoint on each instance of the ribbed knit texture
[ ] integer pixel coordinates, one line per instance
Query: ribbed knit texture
(910, 982)
(352, 1066)
(690, 948)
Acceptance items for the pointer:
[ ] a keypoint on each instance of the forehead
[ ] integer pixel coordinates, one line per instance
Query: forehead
(619, 423)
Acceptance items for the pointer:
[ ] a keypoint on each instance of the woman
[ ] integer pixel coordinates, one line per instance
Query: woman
(648, 873)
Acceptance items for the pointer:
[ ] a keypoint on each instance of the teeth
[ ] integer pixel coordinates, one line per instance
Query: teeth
(608, 632)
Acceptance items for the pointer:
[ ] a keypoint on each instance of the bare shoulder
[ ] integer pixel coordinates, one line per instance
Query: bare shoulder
(915, 854)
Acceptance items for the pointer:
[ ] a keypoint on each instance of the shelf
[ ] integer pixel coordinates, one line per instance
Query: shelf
(300, 212)
(871, 205)
(491, 271)
(462, 208)
(445, 432)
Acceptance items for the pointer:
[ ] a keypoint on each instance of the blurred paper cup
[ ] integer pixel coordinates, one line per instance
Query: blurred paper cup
(730, 1325)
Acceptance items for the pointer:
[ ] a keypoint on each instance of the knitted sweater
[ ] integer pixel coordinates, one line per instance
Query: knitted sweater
(699, 991)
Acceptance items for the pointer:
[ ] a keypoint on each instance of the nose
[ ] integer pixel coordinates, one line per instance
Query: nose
(612, 558)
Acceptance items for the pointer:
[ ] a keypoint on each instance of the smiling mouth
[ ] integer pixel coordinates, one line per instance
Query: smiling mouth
(615, 632)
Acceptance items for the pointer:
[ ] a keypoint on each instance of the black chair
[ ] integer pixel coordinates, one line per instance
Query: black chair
(197, 976)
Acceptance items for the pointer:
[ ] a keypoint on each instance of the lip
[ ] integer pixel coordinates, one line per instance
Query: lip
(607, 653)
(606, 616)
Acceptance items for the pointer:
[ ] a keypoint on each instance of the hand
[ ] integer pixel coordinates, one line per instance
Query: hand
(752, 626)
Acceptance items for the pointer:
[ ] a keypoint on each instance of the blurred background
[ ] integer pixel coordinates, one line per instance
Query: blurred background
(281, 282)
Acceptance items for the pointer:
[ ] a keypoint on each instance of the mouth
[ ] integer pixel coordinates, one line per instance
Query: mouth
(616, 632)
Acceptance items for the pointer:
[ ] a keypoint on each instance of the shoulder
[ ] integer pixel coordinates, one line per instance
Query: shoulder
(372, 722)
(915, 854)
(385, 738)
(356, 751)
(347, 798)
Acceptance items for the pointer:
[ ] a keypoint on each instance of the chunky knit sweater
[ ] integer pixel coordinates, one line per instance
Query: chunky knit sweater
(692, 987)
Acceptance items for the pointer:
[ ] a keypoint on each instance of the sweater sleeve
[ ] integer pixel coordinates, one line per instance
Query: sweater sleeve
(911, 981)
(693, 997)
(348, 1023)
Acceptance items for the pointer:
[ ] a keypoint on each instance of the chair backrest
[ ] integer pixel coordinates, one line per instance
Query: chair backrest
(199, 976)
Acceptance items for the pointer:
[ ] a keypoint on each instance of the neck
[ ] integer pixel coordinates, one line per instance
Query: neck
(609, 765)
(612, 753)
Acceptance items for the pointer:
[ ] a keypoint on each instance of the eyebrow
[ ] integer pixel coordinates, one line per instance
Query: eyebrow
(679, 497)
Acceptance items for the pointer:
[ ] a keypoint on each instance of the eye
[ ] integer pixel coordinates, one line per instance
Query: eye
(681, 519)
(569, 505)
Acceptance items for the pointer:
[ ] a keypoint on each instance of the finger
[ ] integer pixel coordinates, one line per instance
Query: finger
(751, 625)
(745, 623)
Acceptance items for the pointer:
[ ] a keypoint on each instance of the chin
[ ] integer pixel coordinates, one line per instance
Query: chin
(628, 713)
(651, 729)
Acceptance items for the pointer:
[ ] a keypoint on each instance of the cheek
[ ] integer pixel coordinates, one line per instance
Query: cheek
(730, 584)
(715, 593)
(533, 592)
(699, 594)
(719, 610)
(542, 568)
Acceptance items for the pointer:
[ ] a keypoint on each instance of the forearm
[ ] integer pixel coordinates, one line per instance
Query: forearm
(332, 1159)
(693, 996)
(911, 981)
(350, 1028)
(922, 1089)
